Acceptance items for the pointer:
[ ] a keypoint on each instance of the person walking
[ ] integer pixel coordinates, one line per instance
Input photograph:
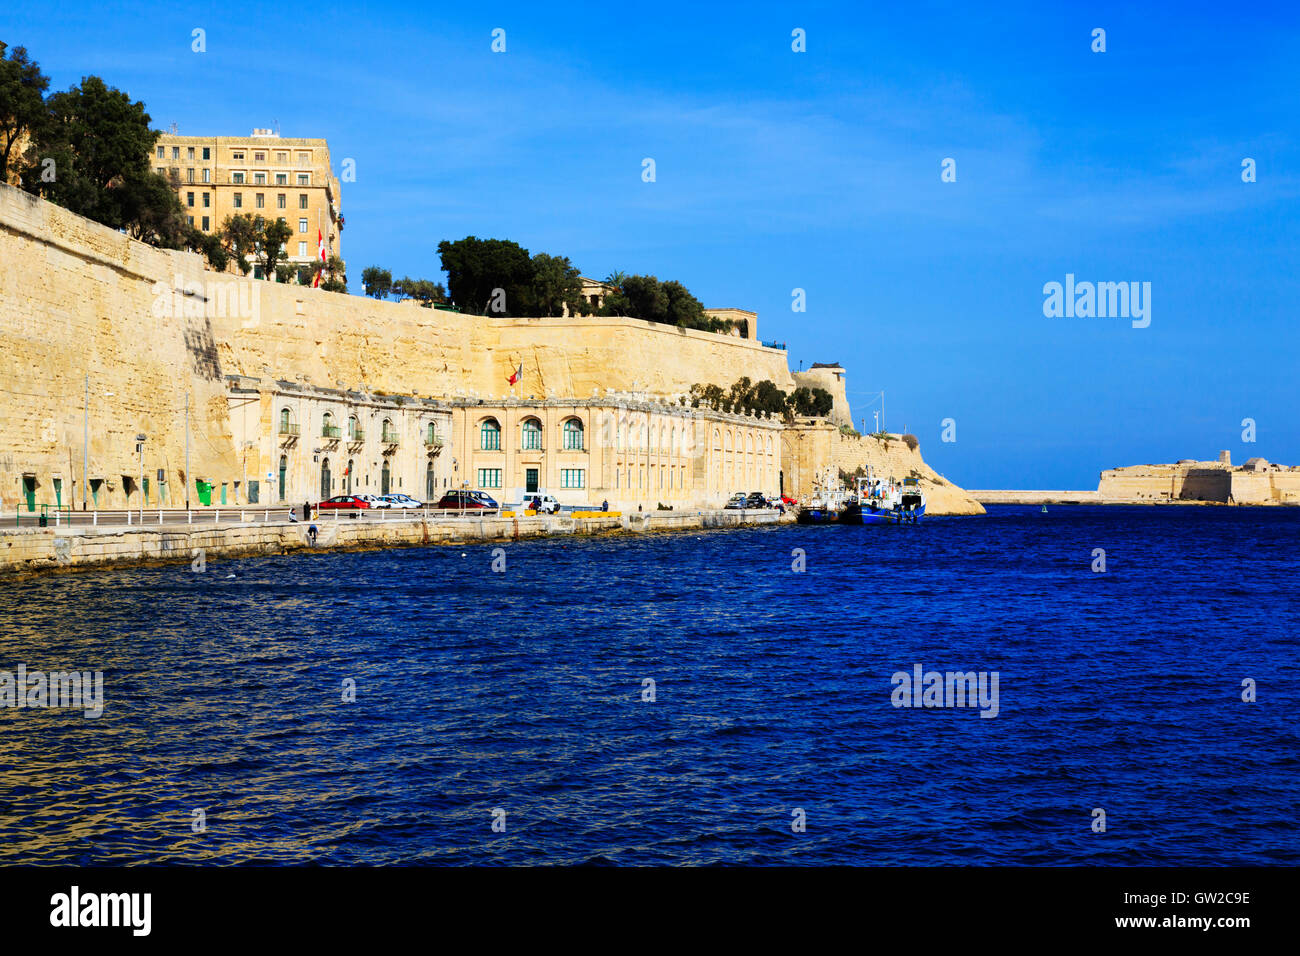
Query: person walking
(306, 511)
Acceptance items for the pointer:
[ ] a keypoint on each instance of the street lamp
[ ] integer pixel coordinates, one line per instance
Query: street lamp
(139, 448)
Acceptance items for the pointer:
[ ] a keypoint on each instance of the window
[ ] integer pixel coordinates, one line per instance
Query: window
(573, 435)
(282, 179)
(161, 170)
(207, 175)
(176, 152)
(259, 179)
(189, 200)
(302, 248)
(237, 155)
(207, 152)
(304, 179)
(237, 178)
(279, 201)
(261, 200)
(431, 434)
(532, 435)
(162, 152)
(490, 433)
(259, 157)
(489, 477)
(281, 157)
(302, 225)
(207, 200)
(352, 426)
(205, 224)
(239, 200)
(189, 153)
(302, 200)
(304, 158)
(571, 478)
(189, 220)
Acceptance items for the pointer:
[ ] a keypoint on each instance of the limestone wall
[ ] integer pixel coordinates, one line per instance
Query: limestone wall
(75, 300)
(1212, 481)
(813, 450)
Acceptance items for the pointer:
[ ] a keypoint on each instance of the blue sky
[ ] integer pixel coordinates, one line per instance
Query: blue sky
(820, 170)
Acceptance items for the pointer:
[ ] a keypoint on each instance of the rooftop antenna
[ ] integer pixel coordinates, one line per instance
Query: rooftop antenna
(277, 127)
(175, 129)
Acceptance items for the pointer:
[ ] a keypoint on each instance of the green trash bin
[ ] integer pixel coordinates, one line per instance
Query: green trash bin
(44, 520)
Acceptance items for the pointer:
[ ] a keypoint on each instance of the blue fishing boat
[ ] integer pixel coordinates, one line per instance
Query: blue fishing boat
(879, 501)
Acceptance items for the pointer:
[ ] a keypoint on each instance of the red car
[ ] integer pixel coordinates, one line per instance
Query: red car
(788, 501)
(344, 501)
(464, 499)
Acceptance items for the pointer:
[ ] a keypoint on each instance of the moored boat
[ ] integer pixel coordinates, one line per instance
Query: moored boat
(881, 502)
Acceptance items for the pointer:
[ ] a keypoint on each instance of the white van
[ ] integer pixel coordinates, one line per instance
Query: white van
(542, 504)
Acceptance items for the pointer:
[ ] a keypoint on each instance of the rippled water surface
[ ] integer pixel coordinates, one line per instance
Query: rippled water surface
(522, 691)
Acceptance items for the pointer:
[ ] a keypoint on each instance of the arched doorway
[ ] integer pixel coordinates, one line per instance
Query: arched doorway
(347, 478)
(324, 479)
(385, 478)
(284, 474)
(430, 483)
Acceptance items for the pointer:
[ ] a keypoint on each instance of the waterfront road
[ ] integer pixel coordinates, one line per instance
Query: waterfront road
(234, 514)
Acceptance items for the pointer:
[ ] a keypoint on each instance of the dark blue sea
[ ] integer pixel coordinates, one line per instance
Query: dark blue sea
(516, 697)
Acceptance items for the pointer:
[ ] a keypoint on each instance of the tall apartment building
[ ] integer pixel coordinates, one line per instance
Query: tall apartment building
(262, 174)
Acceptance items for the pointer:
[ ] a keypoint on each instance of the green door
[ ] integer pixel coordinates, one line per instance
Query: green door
(284, 472)
(385, 479)
(146, 491)
(254, 491)
(58, 492)
(223, 492)
(29, 492)
(94, 490)
(530, 479)
(205, 491)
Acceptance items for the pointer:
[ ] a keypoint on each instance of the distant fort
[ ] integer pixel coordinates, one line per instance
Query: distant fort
(1189, 481)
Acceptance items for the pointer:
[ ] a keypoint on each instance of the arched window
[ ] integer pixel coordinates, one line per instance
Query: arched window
(490, 434)
(532, 435)
(431, 434)
(352, 427)
(573, 435)
(327, 428)
(284, 421)
(389, 435)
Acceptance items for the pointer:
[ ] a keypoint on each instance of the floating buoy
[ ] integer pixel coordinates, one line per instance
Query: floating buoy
(1044, 509)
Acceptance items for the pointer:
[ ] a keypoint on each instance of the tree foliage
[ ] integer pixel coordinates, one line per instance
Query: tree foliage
(477, 268)
(763, 398)
(378, 282)
(22, 105)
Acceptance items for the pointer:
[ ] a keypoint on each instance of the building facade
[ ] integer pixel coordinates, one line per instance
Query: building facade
(262, 174)
(629, 450)
(300, 443)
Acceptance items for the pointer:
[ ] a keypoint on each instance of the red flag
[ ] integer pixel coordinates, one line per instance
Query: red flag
(516, 375)
(320, 250)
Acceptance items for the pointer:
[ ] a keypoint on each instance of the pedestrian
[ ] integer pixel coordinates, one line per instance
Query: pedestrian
(306, 511)
(604, 505)
(293, 515)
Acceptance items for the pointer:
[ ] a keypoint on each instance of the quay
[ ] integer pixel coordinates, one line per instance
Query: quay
(232, 533)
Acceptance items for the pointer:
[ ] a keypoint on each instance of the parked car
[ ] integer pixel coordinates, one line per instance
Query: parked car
(542, 504)
(737, 501)
(788, 501)
(756, 499)
(343, 502)
(400, 501)
(375, 501)
(463, 499)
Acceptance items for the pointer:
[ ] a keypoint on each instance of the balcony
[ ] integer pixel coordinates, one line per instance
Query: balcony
(434, 442)
(357, 435)
(290, 431)
(330, 431)
(389, 437)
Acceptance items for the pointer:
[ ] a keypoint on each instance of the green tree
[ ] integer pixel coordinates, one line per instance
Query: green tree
(424, 291)
(22, 105)
(477, 267)
(240, 234)
(684, 309)
(378, 282)
(151, 210)
(272, 237)
(555, 284)
(98, 139)
(210, 246)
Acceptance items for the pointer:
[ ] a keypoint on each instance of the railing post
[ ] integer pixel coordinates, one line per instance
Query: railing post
(128, 516)
(189, 516)
(94, 518)
(160, 518)
(218, 517)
